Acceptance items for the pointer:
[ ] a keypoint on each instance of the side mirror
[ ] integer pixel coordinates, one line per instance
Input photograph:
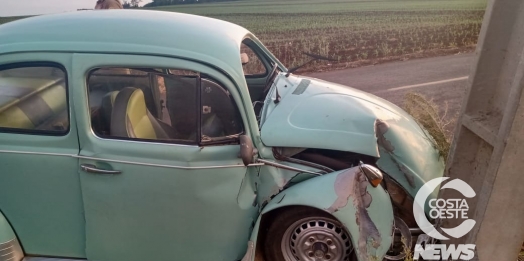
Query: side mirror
(247, 150)
(244, 58)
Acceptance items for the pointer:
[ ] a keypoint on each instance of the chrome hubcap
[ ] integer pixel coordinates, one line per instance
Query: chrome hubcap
(316, 239)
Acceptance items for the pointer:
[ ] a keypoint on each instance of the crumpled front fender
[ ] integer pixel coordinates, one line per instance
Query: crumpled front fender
(365, 211)
(314, 115)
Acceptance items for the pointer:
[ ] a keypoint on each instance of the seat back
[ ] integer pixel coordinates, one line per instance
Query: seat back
(130, 117)
(106, 107)
(32, 108)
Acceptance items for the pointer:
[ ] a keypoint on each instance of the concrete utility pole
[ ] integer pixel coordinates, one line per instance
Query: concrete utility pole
(488, 150)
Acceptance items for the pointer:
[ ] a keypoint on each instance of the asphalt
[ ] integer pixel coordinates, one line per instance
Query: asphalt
(441, 79)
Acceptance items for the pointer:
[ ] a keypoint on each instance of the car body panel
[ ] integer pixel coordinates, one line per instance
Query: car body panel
(312, 113)
(51, 199)
(170, 199)
(172, 211)
(10, 248)
(6, 232)
(137, 215)
(368, 218)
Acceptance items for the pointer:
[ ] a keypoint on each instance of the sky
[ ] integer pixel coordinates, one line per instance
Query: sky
(36, 7)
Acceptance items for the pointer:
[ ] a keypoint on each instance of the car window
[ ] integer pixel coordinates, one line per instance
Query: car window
(220, 117)
(160, 105)
(252, 66)
(33, 99)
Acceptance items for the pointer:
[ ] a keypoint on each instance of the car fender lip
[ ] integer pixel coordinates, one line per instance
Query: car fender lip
(365, 211)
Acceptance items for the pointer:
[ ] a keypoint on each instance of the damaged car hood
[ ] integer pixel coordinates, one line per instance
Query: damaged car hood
(310, 113)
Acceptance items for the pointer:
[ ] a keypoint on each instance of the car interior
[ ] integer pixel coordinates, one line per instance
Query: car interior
(33, 99)
(161, 104)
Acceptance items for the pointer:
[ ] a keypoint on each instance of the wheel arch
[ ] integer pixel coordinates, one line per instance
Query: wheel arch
(10, 248)
(267, 218)
(369, 224)
(6, 231)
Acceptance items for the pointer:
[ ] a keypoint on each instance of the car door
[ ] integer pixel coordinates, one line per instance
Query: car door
(39, 185)
(172, 188)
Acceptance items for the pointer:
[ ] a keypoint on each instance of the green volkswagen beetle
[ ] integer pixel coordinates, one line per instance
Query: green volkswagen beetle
(142, 135)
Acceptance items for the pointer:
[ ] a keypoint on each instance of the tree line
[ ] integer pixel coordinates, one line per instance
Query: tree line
(131, 4)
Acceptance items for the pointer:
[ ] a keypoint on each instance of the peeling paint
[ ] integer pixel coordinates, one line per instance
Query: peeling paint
(353, 184)
(369, 234)
(381, 128)
(366, 212)
(410, 176)
(345, 189)
(342, 189)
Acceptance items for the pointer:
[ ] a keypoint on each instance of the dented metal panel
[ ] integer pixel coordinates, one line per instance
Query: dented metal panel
(365, 211)
(336, 117)
(174, 199)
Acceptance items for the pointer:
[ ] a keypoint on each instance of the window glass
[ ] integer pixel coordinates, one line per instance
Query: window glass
(251, 63)
(161, 105)
(180, 106)
(33, 99)
(220, 117)
(144, 104)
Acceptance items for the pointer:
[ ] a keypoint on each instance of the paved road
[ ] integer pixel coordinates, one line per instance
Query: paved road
(442, 79)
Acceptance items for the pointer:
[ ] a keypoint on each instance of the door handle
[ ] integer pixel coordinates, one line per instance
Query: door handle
(93, 169)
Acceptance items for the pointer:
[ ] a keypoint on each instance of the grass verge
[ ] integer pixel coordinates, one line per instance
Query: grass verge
(432, 118)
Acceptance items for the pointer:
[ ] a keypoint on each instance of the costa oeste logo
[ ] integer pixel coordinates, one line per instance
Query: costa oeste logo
(444, 209)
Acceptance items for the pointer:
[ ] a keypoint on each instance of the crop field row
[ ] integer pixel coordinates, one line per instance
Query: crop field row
(352, 32)
(323, 6)
(349, 37)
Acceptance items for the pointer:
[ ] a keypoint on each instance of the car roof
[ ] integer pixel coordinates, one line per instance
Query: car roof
(129, 31)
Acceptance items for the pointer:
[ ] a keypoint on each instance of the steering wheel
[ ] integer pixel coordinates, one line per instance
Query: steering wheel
(271, 76)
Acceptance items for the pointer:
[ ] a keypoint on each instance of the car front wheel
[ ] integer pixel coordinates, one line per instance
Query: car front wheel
(307, 235)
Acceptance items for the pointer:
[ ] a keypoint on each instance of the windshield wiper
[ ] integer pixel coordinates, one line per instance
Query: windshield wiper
(314, 58)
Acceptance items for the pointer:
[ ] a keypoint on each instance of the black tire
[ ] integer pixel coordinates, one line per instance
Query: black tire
(275, 234)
